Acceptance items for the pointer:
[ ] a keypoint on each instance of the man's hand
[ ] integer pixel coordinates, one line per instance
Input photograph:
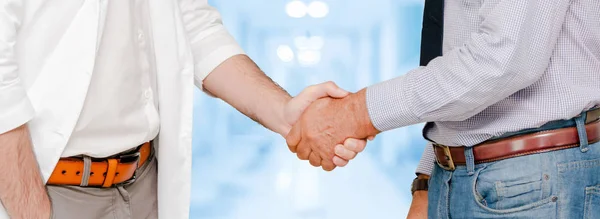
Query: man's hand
(348, 151)
(295, 107)
(327, 123)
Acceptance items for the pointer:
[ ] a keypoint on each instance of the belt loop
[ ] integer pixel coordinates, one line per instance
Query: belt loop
(87, 166)
(110, 173)
(470, 160)
(581, 132)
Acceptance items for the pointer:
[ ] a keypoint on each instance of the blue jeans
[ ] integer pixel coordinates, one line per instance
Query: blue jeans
(559, 184)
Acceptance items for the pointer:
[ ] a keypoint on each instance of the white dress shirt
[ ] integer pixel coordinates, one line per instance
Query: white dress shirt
(49, 54)
(119, 112)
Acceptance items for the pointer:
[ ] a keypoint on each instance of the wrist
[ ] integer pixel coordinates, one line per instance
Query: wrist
(420, 184)
(282, 125)
(422, 176)
(420, 194)
(360, 112)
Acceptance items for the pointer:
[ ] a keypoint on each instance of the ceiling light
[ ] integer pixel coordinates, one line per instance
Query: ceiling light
(309, 57)
(285, 53)
(318, 9)
(312, 43)
(296, 9)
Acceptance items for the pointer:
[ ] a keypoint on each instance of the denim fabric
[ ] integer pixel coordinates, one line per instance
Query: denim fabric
(560, 184)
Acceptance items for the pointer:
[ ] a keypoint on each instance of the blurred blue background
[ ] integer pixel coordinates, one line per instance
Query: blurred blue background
(242, 170)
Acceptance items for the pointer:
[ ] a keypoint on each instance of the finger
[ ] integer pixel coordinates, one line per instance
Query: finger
(303, 151)
(327, 165)
(314, 159)
(355, 145)
(343, 152)
(293, 138)
(339, 161)
(371, 138)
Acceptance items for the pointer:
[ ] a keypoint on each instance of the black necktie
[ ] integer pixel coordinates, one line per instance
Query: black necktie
(432, 33)
(431, 38)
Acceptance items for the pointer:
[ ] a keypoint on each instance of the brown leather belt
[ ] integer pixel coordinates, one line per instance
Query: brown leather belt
(448, 157)
(106, 172)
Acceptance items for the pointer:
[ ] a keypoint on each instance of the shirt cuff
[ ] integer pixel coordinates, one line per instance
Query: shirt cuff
(16, 108)
(213, 60)
(389, 104)
(427, 161)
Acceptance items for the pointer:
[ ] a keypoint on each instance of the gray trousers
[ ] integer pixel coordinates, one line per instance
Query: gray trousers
(135, 201)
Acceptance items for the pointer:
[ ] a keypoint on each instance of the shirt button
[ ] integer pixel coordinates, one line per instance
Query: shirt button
(148, 93)
(140, 35)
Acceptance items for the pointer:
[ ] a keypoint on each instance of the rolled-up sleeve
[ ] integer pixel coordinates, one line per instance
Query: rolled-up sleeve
(15, 107)
(211, 42)
(510, 51)
(427, 161)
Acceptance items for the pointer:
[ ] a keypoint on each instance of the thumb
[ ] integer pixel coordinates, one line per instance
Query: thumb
(318, 91)
(299, 103)
(331, 89)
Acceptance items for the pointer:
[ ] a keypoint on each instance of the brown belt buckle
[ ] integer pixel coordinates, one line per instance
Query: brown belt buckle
(448, 156)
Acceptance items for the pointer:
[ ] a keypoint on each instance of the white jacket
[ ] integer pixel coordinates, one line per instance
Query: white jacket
(45, 73)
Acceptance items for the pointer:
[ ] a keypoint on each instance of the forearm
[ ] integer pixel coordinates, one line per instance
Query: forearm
(239, 82)
(22, 190)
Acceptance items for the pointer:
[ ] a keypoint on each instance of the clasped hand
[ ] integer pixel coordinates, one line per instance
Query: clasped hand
(332, 129)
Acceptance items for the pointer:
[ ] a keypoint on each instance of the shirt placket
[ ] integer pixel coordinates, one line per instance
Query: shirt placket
(145, 66)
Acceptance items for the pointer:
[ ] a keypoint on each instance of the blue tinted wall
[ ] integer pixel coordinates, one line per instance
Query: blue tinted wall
(242, 170)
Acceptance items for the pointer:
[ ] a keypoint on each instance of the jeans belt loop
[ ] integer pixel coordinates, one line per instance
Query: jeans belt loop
(470, 160)
(582, 133)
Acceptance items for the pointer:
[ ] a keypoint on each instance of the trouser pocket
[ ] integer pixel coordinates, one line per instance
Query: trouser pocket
(511, 194)
(512, 185)
(592, 202)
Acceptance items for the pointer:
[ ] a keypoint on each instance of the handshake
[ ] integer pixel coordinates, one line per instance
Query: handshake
(327, 125)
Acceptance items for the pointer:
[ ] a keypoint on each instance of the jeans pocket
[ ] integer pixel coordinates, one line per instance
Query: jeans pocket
(509, 193)
(516, 193)
(592, 202)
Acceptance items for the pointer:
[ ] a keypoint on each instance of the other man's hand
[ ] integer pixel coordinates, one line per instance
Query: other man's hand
(327, 123)
(296, 107)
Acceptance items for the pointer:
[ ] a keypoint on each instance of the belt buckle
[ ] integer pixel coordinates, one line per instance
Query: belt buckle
(448, 156)
(126, 182)
(128, 158)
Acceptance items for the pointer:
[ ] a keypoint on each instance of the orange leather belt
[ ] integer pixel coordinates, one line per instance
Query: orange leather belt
(448, 157)
(105, 172)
